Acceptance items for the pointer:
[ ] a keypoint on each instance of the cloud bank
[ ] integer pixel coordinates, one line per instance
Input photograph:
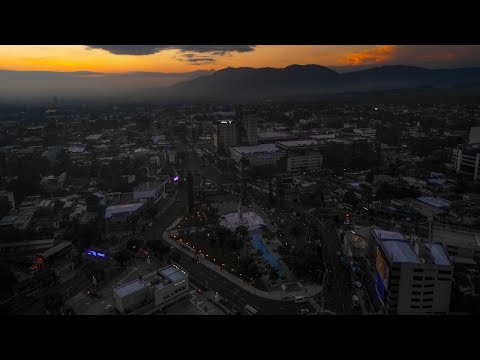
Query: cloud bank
(153, 49)
(431, 56)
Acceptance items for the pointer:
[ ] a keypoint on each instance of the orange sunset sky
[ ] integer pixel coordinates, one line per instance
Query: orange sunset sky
(180, 58)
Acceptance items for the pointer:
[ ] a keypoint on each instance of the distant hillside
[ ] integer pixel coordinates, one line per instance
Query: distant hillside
(299, 81)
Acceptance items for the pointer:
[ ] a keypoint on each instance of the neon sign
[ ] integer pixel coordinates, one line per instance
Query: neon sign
(96, 253)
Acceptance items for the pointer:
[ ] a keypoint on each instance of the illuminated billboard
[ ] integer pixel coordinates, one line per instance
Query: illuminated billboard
(379, 287)
(382, 267)
(95, 253)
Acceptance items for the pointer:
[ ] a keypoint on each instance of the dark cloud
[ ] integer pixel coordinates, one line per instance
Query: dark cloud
(152, 49)
(195, 59)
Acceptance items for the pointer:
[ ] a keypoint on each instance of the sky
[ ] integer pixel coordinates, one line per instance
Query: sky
(146, 66)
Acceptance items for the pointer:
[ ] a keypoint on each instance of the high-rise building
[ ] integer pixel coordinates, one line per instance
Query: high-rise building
(247, 127)
(224, 135)
(411, 279)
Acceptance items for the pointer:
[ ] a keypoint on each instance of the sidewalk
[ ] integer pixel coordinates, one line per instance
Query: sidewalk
(308, 291)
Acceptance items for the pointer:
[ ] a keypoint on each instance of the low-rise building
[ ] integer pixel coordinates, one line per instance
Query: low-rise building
(152, 291)
(466, 160)
(149, 192)
(256, 155)
(302, 155)
(122, 217)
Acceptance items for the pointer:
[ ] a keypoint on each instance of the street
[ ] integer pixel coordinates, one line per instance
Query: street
(200, 274)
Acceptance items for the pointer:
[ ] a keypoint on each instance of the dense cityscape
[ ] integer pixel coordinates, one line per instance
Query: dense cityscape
(272, 208)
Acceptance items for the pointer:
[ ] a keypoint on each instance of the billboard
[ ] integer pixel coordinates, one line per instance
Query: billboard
(96, 253)
(382, 267)
(379, 287)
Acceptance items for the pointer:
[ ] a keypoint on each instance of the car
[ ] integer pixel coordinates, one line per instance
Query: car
(150, 224)
(178, 200)
(357, 284)
(303, 311)
(355, 301)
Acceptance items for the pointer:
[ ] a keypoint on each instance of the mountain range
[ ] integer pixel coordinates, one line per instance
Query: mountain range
(314, 80)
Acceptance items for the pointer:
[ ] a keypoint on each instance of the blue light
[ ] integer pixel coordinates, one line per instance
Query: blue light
(96, 254)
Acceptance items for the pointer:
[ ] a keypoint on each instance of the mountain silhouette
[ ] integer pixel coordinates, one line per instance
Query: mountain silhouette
(314, 80)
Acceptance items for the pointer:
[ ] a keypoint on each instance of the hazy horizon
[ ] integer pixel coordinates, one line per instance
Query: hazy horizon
(124, 70)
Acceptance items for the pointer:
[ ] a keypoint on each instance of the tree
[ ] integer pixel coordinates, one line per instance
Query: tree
(351, 198)
(273, 274)
(242, 231)
(123, 256)
(135, 244)
(297, 232)
(54, 302)
(369, 177)
(7, 280)
(244, 163)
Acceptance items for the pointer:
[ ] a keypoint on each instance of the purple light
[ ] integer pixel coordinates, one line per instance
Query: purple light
(175, 178)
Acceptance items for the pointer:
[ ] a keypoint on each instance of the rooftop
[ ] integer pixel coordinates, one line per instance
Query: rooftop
(265, 135)
(8, 220)
(439, 255)
(297, 143)
(77, 148)
(130, 288)
(463, 239)
(93, 137)
(255, 149)
(396, 247)
(56, 248)
(119, 209)
(435, 202)
(170, 274)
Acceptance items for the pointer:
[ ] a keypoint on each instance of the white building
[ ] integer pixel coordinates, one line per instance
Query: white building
(411, 280)
(153, 291)
(302, 155)
(224, 134)
(149, 192)
(257, 155)
(466, 160)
